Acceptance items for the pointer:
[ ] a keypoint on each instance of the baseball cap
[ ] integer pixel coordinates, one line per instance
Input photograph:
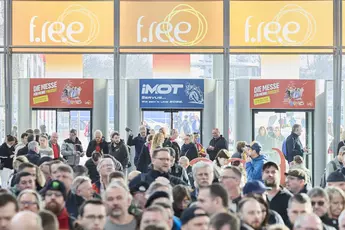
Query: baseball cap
(154, 196)
(256, 187)
(270, 164)
(191, 213)
(255, 146)
(299, 173)
(336, 176)
(139, 187)
(56, 185)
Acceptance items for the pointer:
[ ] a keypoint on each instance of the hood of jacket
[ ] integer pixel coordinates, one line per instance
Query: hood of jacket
(260, 158)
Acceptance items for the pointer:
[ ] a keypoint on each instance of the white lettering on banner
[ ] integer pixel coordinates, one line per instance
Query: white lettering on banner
(50, 31)
(276, 32)
(161, 88)
(165, 31)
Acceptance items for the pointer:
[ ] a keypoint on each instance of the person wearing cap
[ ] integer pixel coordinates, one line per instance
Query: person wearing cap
(255, 161)
(213, 199)
(194, 218)
(296, 181)
(298, 163)
(336, 179)
(278, 197)
(72, 148)
(55, 199)
(257, 190)
(294, 145)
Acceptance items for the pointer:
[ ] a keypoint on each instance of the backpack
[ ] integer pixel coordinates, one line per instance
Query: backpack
(323, 178)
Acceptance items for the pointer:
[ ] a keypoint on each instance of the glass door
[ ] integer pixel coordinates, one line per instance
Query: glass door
(63, 125)
(157, 119)
(187, 122)
(46, 118)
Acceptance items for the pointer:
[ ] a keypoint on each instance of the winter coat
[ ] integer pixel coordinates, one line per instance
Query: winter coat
(120, 152)
(144, 159)
(294, 147)
(254, 168)
(190, 151)
(70, 149)
(6, 156)
(33, 157)
(218, 144)
(103, 145)
(138, 142)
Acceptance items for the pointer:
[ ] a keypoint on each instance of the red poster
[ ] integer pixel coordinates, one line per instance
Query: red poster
(282, 94)
(61, 93)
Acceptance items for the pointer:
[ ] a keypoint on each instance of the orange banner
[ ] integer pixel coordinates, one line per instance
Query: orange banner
(282, 94)
(60, 23)
(281, 23)
(163, 23)
(179, 63)
(61, 93)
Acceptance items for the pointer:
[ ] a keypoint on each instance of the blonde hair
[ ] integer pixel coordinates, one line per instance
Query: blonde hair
(158, 140)
(18, 161)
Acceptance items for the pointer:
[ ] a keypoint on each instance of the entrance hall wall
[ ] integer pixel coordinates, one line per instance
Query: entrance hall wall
(24, 111)
(100, 118)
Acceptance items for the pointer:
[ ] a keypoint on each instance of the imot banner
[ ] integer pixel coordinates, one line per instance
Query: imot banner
(63, 23)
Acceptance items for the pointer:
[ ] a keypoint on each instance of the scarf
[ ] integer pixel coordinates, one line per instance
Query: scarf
(63, 219)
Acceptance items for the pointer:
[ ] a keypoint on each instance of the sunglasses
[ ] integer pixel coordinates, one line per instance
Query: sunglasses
(319, 203)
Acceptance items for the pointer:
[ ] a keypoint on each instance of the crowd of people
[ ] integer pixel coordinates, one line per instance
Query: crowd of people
(174, 185)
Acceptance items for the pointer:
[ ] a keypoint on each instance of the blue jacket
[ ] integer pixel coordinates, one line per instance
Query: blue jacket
(33, 157)
(254, 168)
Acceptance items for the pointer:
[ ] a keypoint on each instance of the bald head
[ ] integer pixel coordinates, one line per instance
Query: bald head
(307, 220)
(32, 221)
(54, 137)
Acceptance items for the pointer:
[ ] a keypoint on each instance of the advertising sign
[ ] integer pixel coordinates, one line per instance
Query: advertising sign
(282, 94)
(172, 93)
(60, 23)
(281, 23)
(61, 93)
(171, 23)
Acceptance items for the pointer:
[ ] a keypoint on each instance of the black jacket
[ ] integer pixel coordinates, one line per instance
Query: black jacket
(190, 151)
(138, 142)
(92, 147)
(274, 218)
(177, 171)
(145, 179)
(33, 157)
(172, 144)
(293, 147)
(93, 173)
(279, 203)
(120, 152)
(73, 203)
(5, 156)
(144, 159)
(218, 144)
(340, 144)
(23, 151)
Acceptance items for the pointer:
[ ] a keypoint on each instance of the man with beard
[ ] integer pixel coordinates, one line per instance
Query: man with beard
(117, 200)
(250, 214)
(118, 149)
(278, 197)
(54, 197)
(203, 176)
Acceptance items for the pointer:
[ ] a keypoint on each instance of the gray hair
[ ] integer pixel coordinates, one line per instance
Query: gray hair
(78, 181)
(33, 192)
(32, 145)
(99, 165)
(318, 192)
(154, 188)
(200, 165)
(116, 184)
(305, 217)
(99, 132)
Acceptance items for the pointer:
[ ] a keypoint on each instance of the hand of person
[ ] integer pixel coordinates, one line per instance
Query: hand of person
(249, 159)
(210, 148)
(11, 156)
(306, 150)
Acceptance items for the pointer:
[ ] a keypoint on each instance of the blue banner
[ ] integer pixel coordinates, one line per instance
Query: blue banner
(172, 93)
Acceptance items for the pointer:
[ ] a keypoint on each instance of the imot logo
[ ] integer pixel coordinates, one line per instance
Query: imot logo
(165, 31)
(60, 32)
(281, 31)
(161, 88)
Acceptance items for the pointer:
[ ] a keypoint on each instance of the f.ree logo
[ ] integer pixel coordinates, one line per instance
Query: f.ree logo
(64, 29)
(285, 28)
(175, 33)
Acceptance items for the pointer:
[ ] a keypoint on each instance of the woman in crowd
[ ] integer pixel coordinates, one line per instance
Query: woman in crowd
(188, 148)
(45, 150)
(221, 159)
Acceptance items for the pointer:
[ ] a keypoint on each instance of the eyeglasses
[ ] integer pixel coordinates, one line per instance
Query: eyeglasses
(319, 203)
(227, 177)
(94, 217)
(28, 203)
